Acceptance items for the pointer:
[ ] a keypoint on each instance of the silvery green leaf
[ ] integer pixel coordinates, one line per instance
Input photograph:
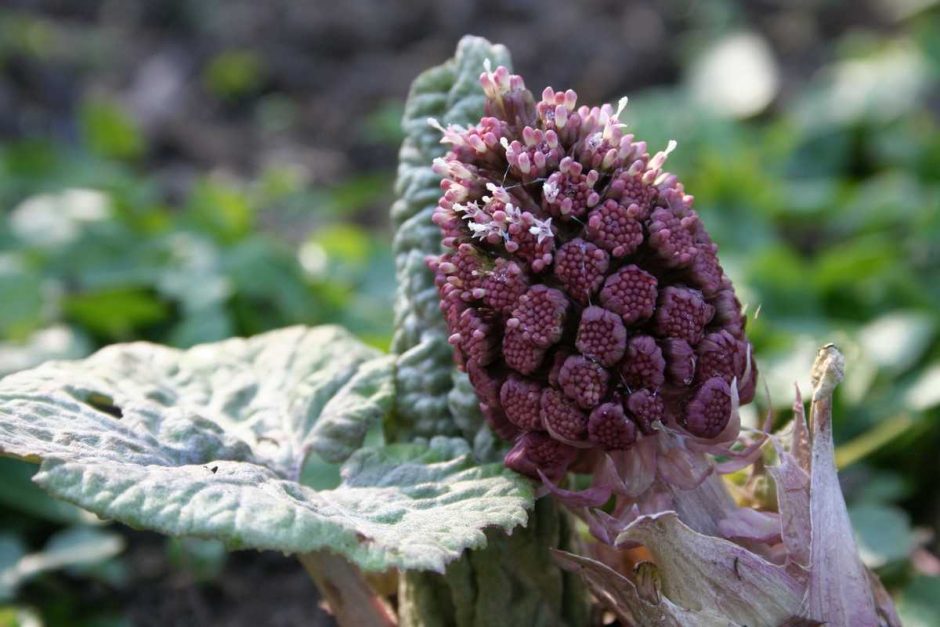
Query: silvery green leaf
(211, 441)
(271, 399)
(427, 396)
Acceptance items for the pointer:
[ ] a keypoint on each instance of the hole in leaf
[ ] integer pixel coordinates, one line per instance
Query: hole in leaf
(104, 403)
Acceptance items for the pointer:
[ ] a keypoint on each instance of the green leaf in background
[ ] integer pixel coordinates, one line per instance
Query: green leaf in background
(212, 442)
(234, 73)
(880, 84)
(883, 533)
(925, 392)
(115, 313)
(918, 606)
(221, 210)
(50, 221)
(22, 299)
(109, 131)
(72, 547)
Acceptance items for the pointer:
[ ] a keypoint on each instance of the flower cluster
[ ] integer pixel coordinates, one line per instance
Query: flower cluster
(583, 295)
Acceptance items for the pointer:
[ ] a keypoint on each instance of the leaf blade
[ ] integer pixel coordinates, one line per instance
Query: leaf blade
(210, 442)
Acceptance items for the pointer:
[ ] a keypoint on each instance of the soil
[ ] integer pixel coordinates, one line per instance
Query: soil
(253, 589)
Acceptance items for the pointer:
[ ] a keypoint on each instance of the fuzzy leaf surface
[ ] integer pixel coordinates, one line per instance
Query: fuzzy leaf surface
(211, 442)
(432, 397)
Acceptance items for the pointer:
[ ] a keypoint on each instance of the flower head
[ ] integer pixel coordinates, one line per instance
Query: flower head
(582, 292)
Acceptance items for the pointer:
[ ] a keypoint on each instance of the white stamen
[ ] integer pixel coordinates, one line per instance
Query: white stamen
(550, 191)
(542, 229)
(621, 105)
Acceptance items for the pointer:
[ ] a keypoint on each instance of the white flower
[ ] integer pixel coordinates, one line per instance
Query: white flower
(550, 191)
(542, 228)
(484, 230)
(471, 210)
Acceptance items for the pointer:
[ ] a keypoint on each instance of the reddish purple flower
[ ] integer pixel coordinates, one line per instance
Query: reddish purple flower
(609, 427)
(520, 400)
(601, 336)
(581, 267)
(582, 292)
(562, 417)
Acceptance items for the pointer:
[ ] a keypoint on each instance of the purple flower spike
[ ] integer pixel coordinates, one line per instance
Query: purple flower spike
(568, 193)
(581, 267)
(583, 381)
(728, 314)
(672, 237)
(601, 336)
(520, 399)
(616, 228)
(710, 410)
(486, 385)
(535, 451)
(630, 292)
(503, 287)
(644, 366)
(498, 422)
(609, 427)
(721, 355)
(561, 417)
(581, 291)
(520, 353)
(629, 189)
(680, 361)
(475, 337)
(683, 314)
(540, 315)
(646, 408)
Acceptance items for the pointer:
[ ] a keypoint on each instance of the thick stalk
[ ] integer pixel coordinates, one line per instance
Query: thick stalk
(513, 581)
(351, 601)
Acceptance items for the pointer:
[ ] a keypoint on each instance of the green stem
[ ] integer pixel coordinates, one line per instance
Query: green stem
(513, 581)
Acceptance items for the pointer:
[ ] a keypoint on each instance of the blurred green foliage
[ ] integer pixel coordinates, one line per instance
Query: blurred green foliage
(88, 243)
(233, 74)
(826, 207)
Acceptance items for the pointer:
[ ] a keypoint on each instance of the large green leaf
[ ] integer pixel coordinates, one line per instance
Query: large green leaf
(212, 441)
(432, 396)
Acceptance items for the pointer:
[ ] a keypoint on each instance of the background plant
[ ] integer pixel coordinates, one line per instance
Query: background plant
(825, 206)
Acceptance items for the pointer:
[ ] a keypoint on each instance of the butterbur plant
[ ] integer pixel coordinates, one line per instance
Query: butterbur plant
(585, 300)
(548, 436)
